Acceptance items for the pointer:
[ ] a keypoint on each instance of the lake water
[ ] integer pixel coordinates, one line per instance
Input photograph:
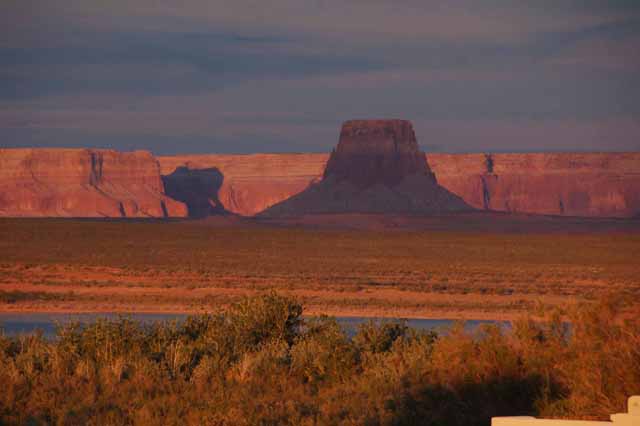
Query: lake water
(14, 324)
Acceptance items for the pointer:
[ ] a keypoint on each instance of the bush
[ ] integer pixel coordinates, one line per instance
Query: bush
(260, 363)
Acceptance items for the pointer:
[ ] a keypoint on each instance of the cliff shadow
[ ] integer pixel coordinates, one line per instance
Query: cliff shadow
(198, 189)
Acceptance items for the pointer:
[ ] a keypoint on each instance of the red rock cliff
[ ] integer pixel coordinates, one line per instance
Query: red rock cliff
(244, 184)
(576, 184)
(83, 183)
(570, 184)
(376, 151)
(377, 167)
(93, 183)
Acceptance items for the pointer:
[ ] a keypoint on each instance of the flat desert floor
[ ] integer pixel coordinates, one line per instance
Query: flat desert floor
(463, 267)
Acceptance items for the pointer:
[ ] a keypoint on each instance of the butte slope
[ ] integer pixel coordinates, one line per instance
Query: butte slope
(377, 167)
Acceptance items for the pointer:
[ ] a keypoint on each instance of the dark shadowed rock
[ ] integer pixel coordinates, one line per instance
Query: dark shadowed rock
(251, 182)
(198, 189)
(376, 152)
(377, 167)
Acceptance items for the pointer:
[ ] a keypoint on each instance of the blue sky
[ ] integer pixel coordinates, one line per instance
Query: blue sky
(280, 76)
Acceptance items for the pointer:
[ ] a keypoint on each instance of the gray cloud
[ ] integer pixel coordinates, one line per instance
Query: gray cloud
(245, 76)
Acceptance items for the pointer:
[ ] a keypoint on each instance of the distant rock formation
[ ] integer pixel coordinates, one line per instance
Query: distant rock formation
(247, 184)
(374, 152)
(102, 183)
(83, 183)
(377, 167)
(565, 184)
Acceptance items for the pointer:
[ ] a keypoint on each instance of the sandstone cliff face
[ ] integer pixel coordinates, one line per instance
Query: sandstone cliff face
(568, 184)
(377, 167)
(99, 183)
(83, 183)
(102, 183)
(376, 152)
(240, 184)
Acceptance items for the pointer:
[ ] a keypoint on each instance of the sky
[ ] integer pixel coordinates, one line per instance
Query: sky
(243, 76)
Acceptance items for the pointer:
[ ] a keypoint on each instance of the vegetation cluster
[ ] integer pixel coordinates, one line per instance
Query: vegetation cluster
(259, 362)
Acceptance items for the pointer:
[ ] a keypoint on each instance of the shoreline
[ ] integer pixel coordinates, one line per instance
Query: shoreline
(311, 311)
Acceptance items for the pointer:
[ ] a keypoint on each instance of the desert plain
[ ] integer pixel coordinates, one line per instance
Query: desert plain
(465, 266)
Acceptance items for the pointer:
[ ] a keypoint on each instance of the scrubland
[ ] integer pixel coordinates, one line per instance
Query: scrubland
(259, 362)
(258, 358)
(117, 266)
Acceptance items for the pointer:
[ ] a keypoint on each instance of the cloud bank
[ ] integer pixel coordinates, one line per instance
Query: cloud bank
(250, 76)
